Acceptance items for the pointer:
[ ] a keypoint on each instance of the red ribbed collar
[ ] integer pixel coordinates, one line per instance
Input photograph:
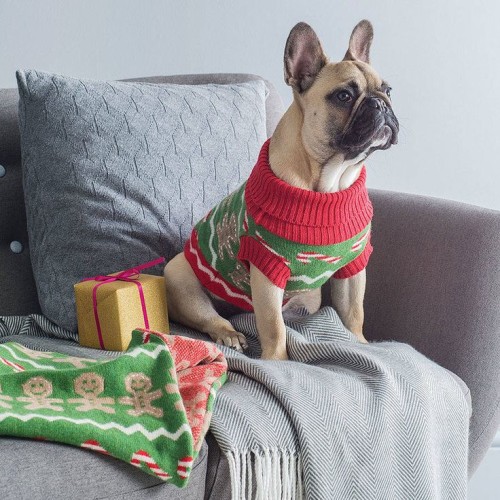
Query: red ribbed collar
(306, 216)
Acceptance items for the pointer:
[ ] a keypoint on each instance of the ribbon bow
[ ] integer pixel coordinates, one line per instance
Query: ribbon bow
(130, 275)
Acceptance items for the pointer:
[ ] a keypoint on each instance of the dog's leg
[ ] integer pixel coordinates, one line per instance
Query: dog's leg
(310, 301)
(347, 298)
(267, 301)
(189, 304)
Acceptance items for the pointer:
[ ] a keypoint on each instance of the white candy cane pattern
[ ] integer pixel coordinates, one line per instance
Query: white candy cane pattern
(94, 445)
(261, 240)
(207, 216)
(184, 467)
(143, 457)
(11, 364)
(356, 246)
(245, 222)
(306, 257)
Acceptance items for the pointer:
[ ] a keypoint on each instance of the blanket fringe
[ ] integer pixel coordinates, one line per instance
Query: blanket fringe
(265, 475)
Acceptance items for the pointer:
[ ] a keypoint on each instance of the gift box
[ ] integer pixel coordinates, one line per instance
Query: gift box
(109, 308)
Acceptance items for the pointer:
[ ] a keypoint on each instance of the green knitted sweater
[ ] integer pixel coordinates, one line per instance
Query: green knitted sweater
(296, 237)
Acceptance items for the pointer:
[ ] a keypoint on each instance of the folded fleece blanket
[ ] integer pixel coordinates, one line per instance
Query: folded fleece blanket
(150, 406)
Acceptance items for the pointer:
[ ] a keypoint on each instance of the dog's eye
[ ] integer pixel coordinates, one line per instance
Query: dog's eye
(344, 96)
(388, 91)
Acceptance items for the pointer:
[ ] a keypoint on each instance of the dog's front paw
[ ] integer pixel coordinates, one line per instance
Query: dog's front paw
(234, 339)
(360, 336)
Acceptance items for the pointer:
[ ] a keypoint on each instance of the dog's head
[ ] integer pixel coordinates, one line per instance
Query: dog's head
(346, 105)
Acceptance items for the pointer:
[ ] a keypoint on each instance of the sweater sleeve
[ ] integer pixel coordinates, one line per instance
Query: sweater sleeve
(270, 264)
(357, 265)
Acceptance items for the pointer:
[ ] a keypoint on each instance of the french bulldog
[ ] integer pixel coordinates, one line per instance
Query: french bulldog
(309, 177)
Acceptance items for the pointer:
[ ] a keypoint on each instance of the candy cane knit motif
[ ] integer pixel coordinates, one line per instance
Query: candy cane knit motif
(150, 407)
(296, 237)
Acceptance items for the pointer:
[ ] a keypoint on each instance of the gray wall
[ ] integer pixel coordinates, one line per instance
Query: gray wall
(441, 57)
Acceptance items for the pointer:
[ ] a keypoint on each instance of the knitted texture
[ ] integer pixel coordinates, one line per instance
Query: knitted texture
(150, 407)
(118, 173)
(296, 237)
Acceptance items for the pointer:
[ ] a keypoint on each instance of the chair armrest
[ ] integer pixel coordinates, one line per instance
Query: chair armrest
(434, 282)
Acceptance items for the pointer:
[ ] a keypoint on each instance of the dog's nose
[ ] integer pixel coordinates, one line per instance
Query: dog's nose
(376, 102)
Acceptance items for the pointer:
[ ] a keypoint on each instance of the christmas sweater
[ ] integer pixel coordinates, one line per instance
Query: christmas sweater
(296, 237)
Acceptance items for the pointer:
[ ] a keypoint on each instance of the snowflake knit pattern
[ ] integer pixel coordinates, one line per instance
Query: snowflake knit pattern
(150, 407)
(296, 237)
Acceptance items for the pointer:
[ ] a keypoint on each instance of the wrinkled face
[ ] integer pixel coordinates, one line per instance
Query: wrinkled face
(346, 106)
(347, 109)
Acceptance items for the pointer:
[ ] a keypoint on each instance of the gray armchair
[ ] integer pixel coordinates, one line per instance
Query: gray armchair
(433, 282)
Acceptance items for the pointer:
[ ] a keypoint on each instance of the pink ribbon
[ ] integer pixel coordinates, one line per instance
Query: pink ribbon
(131, 275)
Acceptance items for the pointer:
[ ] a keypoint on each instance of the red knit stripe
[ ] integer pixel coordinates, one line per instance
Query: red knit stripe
(302, 215)
(192, 253)
(161, 474)
(357, 265)
(142, 453)
(94, 446)
(270, 264)
(11, 364)
(92, 442)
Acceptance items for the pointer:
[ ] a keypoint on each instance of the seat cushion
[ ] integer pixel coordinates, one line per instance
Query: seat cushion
(36, 470)
(117, 173)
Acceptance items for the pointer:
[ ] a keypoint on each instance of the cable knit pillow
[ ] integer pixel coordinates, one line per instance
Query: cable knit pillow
(117, 173)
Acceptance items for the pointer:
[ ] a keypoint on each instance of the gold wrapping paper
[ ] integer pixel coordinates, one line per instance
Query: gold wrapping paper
(120, 311)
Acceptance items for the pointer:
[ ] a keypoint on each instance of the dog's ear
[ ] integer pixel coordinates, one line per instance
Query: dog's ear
(304, 57)
(360, 42)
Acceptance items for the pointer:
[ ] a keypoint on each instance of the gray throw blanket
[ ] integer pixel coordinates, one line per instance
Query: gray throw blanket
(341, 420)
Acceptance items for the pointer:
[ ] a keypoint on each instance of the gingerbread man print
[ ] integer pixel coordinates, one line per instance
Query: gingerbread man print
(89, 386)
(139, 385)
(38, 390)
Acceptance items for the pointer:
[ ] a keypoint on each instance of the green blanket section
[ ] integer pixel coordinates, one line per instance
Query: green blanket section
(127, 407)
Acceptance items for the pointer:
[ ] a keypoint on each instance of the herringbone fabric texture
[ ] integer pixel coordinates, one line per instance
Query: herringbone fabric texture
(358, 422)
(341, 420)
(116, 173)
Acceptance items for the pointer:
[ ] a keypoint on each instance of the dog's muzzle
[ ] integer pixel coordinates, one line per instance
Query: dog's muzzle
(374, 126)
